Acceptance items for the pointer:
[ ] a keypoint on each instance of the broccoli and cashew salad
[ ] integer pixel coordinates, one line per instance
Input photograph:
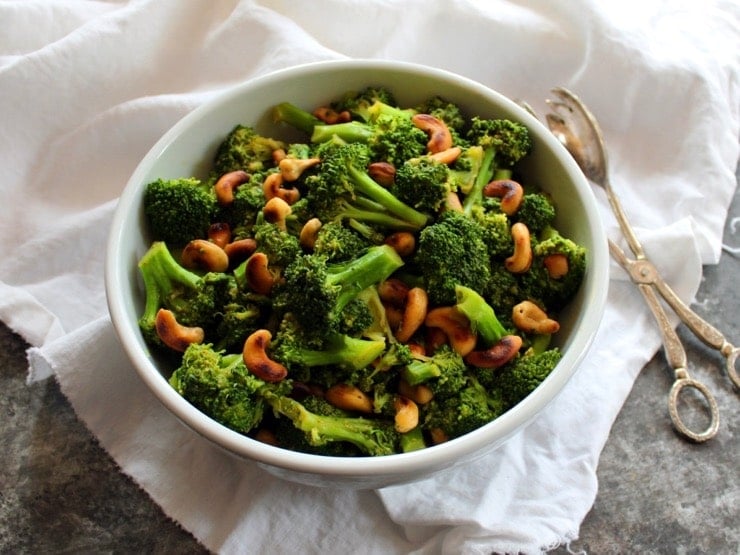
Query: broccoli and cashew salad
(382, 286)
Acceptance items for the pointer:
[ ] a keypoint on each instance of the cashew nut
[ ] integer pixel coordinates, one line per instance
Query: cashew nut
(414, 314)
(348, 397)
(277, 155)
(509, 191)
(273, 187)
(309, 232)
(421, 393)
(292, 168)
(384, 173)
(530, 318)
(226, 185)
(452, 202)
(206, 255)
(331, 116)
(438, 435)
(434, 338)
(393, 291)
(521, 260)
(407, 414)
(256, 360)
(275, 211)
(447, 156)
(219, 233)
(173, 334)
(498, 354)
(258, 275)
(556, 265)
(403, 242)
(440, 137)
(240, 250)
(455, 326)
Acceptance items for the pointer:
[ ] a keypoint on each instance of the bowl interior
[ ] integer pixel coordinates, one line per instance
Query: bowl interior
(188, 148)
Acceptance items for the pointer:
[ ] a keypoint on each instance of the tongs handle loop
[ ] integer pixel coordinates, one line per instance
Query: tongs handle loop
(713, 427)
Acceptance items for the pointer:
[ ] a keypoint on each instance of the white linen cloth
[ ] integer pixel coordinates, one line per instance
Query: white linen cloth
(87, 87)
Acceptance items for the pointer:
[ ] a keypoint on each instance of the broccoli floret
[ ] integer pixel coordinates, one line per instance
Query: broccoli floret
(290, 114)
(339, 242)
(444, 372)
(449, 112)
(482, 317)
(504, 143)
(280, 246)
(413, 440)
(317, 292)
(503, 292)
(343, 189)
(521, 376)
(245, 149)
(220, 385)
(497, 232)
(452, 251)
(242, 313)
(358, 103)
(423, 184)
(243, 213)
(179, 210)
(538, 284)
(372, 437)
(194, 299)
(355, 318)
(468, 409)
(465, 169)
(536, 211)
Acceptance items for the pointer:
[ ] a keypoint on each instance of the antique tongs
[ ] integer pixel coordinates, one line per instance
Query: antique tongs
(576, 128)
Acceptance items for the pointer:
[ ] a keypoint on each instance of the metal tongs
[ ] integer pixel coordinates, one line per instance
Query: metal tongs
(576, 128)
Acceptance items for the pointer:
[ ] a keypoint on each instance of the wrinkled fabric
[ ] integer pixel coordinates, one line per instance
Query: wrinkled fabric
(87, 87)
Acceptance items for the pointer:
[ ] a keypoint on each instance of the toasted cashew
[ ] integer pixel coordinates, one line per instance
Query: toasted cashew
(173, 334)
(393, 314)
(530, 318)
(292, 168)
(440, 137)
(273, 187)
(403, 242)
(258, 275)
(227, 183)
(256, 360)
(421, 394)
(393, 291)
(206, 255)
(276, 210)
(348, 397)
(264, 435)
(438, 435)
(509, 191)
(452, 202)
(414, 314)
(278, 154)
(447, 156)
(309, 232)
(240, 250)
(521, 260)
(384, 173)
(498, 354)
(556, 265)
(331, 116)
(434, 338)
(456, 327)
(219, 233)
(407, 414)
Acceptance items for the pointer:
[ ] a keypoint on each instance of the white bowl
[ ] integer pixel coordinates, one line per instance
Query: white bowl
(188, 148)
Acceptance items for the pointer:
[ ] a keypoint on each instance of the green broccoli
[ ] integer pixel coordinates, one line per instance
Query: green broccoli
(503, 292)
(290, 114)
(536, 211)
(450, 252)
(357, 103)
(245, 149)
(444, 372)
(522, 375)
(244, 212)
(482, 317)
(423, 184)
(179, 210)
(465, 169)
(280, 246)
(448, 112)
(339, 242)
(497, 232)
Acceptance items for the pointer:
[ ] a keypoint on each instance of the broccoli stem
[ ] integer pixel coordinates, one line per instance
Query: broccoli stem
(341, 350)
(483, 319)
(413, 440)
(350, 131)
(475, 196)
(289, 113)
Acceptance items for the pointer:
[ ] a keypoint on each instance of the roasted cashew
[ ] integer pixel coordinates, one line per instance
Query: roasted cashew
(447, 156)
(509, 191)
(420, 394)
(256, 360)
(393, 291)
(263, 435)
(455, 326)
(393, 314)
(556, 265)
(403, 242)
(407, 414)
(258, 275)
(331, 116)
(384, 173)
(219, 233)
(440, 137)
(240, 250)
(309, 232)
(414, 314)
(275, 211)
(292, 168)
(226, 185)
(348, 397)
(452, 202)
(273, 187)
(206, 255)
(521, 260)
(277, 155)
(530, 318)
(438, 435)
(498, 354)
(173, 334)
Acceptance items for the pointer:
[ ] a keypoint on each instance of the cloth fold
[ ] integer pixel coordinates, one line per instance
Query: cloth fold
(89, 86)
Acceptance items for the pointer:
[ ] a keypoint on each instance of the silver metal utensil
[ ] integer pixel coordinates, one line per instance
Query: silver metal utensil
(577, 129)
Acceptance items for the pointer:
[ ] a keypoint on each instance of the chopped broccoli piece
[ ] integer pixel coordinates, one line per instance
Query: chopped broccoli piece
(482, 317)
(444, 372)
(339, 242)
(423, 184)
(536, 211)
(521, 376)
(179, 210)
(358, 103)
(245, 149)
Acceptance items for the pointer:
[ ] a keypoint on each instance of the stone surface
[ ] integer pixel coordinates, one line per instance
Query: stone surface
(60, 492)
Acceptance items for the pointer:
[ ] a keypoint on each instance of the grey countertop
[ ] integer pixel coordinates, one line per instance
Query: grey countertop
(61, 493)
